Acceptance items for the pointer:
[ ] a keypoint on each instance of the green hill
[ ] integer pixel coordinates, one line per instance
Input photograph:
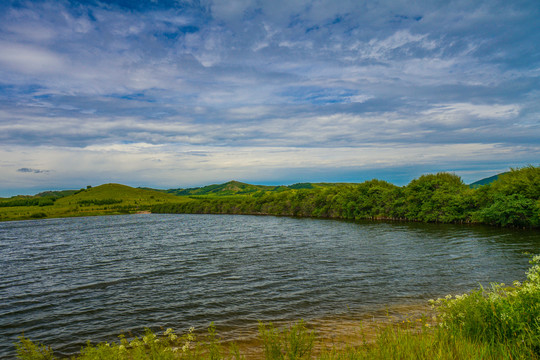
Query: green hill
(239, 188)
(105, 199)
(226, 189)
(56, 194)
(116, 193)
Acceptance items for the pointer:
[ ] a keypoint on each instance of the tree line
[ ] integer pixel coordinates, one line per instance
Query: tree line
(513, 200)
(28, 201)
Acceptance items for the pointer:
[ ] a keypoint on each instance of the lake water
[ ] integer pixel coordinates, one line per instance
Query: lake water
(66, 281)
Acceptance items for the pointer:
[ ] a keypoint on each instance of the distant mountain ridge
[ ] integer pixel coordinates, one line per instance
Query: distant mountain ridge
(234, 187)
(229, 188)
(486, 181)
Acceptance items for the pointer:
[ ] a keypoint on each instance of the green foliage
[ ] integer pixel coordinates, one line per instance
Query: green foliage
(55, 194)
(226, 189)
(87, 202)
(239, 188)
(301, 186)
(524, 181)
(512, 200)
(28, 350)
(485, 181)
(395, 342)
(38, 215)
(295, 342)
(27, 201)
(502, 315)
(437, 198)
(511, 210)
(99, 200)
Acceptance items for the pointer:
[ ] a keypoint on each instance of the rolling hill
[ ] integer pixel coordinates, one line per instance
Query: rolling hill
(107, 199)
(239, 188)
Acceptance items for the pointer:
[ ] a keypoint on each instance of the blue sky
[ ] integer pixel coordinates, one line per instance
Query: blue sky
(174, 94)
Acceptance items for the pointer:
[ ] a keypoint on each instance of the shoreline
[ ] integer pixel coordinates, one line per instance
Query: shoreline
(338, 332)
(332, 332)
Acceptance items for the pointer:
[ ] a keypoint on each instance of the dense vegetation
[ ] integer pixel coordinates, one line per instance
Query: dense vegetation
(500, 323)
(513, 199)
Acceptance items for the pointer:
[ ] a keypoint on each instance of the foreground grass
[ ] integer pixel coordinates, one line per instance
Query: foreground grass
(498, 323)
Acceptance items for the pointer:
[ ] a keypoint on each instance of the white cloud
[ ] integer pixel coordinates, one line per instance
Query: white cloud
(32, 31)
(360, 98)
(177, 166)
(30, 59)
(230, 10)
(380, 49)
(300, 80)
(465, 113)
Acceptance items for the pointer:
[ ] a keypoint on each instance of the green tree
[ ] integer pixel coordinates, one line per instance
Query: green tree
(436, 198)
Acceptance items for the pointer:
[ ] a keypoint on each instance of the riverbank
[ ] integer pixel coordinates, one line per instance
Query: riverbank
(510, 201)
(398, 336)
(329, 334)
(335, 333)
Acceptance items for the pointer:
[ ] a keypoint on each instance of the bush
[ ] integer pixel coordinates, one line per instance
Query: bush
(38, 215)
(511, 210)
(28, 350)
(501, 315)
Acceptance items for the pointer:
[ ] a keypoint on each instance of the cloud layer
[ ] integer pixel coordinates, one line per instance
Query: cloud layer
(183, 93)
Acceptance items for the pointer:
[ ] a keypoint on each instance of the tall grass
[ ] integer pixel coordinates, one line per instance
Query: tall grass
(295, 342)
(497, 323)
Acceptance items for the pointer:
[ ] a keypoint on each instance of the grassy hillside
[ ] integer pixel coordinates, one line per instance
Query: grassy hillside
(56, 194)
(226, 189)
(105, 199)
(240, 188)
(126, 194)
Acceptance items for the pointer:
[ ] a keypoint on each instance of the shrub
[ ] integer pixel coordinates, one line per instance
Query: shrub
(38, 215)
(500, 315)
(28, 350)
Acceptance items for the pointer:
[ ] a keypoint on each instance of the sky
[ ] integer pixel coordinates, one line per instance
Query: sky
(175, 94)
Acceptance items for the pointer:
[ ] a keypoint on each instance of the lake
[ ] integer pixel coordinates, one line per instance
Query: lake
(66, 281)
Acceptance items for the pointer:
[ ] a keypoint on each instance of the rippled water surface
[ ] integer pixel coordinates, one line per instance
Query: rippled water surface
(65, 281)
